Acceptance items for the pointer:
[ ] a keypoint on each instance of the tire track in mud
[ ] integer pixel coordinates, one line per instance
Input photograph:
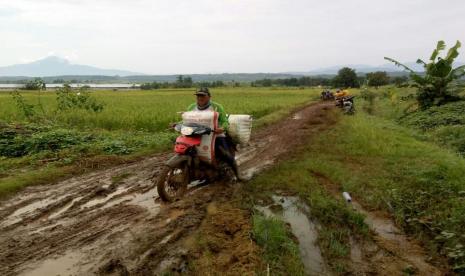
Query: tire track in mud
(108, 221)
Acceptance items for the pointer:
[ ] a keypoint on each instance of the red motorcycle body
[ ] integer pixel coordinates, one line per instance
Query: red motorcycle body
(183, 143)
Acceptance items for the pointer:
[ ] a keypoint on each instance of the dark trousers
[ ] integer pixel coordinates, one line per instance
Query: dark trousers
(224, 150)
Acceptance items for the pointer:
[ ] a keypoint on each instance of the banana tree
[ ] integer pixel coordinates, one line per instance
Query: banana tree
(435, 86)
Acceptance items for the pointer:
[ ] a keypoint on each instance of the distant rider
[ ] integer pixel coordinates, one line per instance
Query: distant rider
(341, 93)
(223, 143)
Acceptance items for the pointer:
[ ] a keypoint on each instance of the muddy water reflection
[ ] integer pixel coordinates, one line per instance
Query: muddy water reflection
(64, 265)
(293, 212)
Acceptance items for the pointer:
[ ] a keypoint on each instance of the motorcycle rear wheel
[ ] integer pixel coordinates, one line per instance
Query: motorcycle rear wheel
(172, 183)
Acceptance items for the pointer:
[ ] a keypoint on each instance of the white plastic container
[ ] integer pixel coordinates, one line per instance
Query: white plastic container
(347, 197)
(240, 128)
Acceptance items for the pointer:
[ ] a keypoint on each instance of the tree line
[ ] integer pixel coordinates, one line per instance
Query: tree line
(345, 78)
(181, 82)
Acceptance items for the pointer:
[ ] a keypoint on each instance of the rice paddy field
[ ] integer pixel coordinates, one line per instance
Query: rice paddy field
(52, 145)
(153, 110)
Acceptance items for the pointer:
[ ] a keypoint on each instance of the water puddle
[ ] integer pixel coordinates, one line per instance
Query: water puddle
(293, 212)
(394, 240)
(355, 251)
(97, 201)
(147, 200)
(64, 265)
(245, 154)
(166, 239)
(249, 173)
(18, 215)
(382, 226)
(46, 228)
(297, 116)
(64, 208)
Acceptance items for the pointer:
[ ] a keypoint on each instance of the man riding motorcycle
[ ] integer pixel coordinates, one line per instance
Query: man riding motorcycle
(341, 93)
(224, 146)
(345, 101)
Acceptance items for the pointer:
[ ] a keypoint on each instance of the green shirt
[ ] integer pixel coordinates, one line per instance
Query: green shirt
(222, 118)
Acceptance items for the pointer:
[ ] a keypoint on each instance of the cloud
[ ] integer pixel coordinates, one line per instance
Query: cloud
(227, 35)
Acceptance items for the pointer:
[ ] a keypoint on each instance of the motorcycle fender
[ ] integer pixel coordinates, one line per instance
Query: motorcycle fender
(177, 160)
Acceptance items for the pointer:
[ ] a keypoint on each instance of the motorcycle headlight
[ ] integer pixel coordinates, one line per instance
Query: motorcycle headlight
(187, 130)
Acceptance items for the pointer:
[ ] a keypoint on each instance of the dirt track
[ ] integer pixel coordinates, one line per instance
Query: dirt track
(112, 222)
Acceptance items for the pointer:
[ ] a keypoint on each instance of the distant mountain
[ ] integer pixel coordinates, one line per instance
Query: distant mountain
(229, 77)
(55, 66)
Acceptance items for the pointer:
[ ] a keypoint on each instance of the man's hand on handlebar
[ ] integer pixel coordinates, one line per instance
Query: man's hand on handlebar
(219, 130)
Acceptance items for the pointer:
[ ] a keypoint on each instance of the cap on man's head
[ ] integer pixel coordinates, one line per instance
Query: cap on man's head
(203, 91)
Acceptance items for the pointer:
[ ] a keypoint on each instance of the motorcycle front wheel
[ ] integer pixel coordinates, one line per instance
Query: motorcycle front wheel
(172, 183)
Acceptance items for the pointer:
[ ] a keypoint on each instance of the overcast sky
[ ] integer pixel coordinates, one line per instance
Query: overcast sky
(211, 36)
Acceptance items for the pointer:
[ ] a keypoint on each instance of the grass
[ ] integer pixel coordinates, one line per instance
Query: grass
(280, 251)
(338, 222)
(133, 123)
(384, 165)
(152, 111)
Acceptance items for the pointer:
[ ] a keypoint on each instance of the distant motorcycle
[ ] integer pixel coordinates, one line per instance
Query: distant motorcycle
(347, 104)
(327, 95)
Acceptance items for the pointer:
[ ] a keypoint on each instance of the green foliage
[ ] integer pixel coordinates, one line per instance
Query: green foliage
(150, 85)
(445, 115)
(35, 84)
(26, 109)
(148, 111)
(117, 147)
(68, 99)
(293, 82)
(400, 81)
(23, 140)
(369, 97)
(346, 77)
(210, 84)
(420, 183)
(452, 137)
(377, 78)
(183, 82)
(280, 251)
(434, 87)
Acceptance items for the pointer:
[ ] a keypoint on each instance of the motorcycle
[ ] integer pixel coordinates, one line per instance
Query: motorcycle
(186, 165)
(327, 96)
(347, 104)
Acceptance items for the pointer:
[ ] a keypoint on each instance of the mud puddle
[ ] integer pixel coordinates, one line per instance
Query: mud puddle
(97, 201)
(64, 208)
(147, 201)
(294, 212)
(394, 240)
(389, 251)
(63, 265)
(297, 116)
(19, 214)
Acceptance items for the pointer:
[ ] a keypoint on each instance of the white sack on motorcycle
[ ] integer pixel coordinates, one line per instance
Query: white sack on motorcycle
(240, 128)
(206, 149)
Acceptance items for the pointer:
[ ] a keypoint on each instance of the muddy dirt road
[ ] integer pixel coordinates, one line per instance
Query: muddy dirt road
(111, 222)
